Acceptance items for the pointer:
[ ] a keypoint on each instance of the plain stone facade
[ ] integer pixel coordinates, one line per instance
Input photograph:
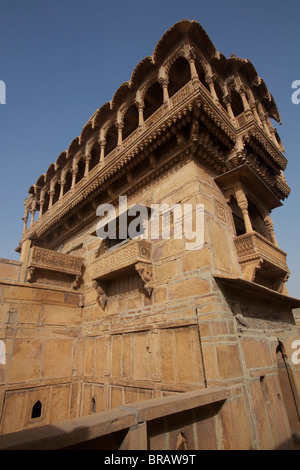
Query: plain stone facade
(198, 341)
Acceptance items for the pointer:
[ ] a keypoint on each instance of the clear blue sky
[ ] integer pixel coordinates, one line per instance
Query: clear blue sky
(62, 59)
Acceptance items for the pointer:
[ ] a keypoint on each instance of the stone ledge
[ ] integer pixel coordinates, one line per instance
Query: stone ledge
(68, 433)
(159, 407)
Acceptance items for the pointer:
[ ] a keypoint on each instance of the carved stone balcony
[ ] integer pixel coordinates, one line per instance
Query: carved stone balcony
(261, 261)
(132, 256)
(52, 267)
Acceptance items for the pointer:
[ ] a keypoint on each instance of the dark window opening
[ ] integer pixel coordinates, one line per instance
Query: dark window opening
(201, 74)
(95, 159)
(257, 221)
(179, 75)
(46, 202)
(238, 218)
(36, 411)
(80, 171)
(56, 193)
(93, 405)
(131, 121)
(111, 140)
(236, 103)
(153, 99)
(68, 183)
(239, 225)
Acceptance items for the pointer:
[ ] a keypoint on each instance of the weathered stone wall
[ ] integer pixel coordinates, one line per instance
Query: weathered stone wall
(78, 356)
(39, 327)
(9, 269)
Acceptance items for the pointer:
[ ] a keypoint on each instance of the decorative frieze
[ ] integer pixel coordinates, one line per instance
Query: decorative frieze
(67, 267)
(121, 257)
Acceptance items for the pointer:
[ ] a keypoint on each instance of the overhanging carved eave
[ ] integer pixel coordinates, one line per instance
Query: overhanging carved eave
(249, 179)
(250, 290)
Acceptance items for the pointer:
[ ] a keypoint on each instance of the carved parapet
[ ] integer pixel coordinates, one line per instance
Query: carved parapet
(56, 268)
(261, 261)
(134, 255)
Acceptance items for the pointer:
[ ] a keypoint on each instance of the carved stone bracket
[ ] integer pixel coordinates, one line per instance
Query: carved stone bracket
(132, 256)
(145, 271)
(101, 296)
(249, 269)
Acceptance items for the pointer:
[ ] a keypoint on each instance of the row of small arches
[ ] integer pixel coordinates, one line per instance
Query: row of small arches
(179, 75)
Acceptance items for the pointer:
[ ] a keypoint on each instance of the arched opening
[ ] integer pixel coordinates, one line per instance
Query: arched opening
(287, 386)
(81, 170)
(56, 192)
(179, 75)
(236, 103)
(68, 183)
(95, 156)
(131, 121)
(111, 140)
(153, 99)
(36, 411)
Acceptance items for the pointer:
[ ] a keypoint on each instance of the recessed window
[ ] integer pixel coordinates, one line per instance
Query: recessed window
(93, 405)
(36, 411)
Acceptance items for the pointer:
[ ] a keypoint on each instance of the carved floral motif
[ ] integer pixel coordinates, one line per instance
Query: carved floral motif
(123, 256)
(49, 259)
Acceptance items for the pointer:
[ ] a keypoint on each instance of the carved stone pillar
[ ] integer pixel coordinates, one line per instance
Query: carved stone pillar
(210, 81)
(42, 202)
(265, 124)
(102, 143)
(254, 110)
(193, 70)
(87, 164)
(120, 126)
(25, 218)
(140, 107)
(51, 194)
(227, 99)
(164, 83)
(62, 183)
(33, 210)
(272, 132)
(74, 174)
(243, 205)
(244, 99)
(263, 118)
(270, 227)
